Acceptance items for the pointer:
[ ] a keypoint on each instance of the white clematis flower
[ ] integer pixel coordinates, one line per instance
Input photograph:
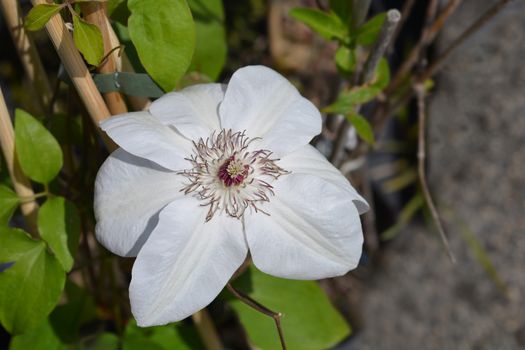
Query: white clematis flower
(212, 172)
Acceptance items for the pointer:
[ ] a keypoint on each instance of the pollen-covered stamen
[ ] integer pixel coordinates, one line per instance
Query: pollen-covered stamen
(228, 177)
(233, 172)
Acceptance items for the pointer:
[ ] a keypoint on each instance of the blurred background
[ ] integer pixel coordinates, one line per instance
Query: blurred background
(406, 294)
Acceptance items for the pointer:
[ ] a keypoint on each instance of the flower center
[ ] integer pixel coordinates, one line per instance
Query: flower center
(233, 172)
(229, 176)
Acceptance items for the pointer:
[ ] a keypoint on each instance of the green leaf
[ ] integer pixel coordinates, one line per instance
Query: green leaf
(8, 203)
(345, 59)
(348, 100)
(382, 75)
(39, 15)
(38, 152)
(104, 341)
(163, 33)
(41, 338)
(309, 321)
(69, 317)
(367, 34)
(59, 226)
(172, 336)
(210, 49)
(343, 9)
(136, 342)
(32, 286)
(328, 25)
(118, 11)
(88, 40)
(362, 127)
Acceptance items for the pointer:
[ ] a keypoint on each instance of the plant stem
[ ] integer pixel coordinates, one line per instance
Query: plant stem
(20, 182)
(262, 309)
(389, 109)
(385, 36)
(95, 13)
(428, 35)
(78, 72)
(387, 31)
(421, 155)
(27, 52)
(480, 22)
(33, 197)
(204, 324)
(405, 13)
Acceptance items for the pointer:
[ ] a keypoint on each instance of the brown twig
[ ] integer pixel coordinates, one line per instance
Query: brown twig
(480, 22)
(21, 183)
(378, 50)
(427, 37)
(420, 93)
(405, 13)
(95, 13)
(262, 309)
(390, 109)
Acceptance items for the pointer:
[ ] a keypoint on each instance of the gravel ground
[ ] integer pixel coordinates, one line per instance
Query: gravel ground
(416, 298)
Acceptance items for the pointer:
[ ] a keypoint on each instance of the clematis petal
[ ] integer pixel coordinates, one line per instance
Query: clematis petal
(308, 160)
(140, 134)
(185, 263)
(312, 231)
(129, 193)
(193, 110)
(265, 104)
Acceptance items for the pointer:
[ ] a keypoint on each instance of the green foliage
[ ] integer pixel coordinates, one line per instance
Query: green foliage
(382, 75)
(349, 99)
(211, 48)
(328, 25)
(118, 11)
(41, 338)
(171, 336)
(38, 152)
(163, 33)
(39, 15)
(309, 321)
(104, 341)
(362, 127)
(345, 60)
(367, 34)
(32, 286)
(8, 203)
(343, 9)
(59, 226)
(69, 317)
(88, 40)
(63, 324)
